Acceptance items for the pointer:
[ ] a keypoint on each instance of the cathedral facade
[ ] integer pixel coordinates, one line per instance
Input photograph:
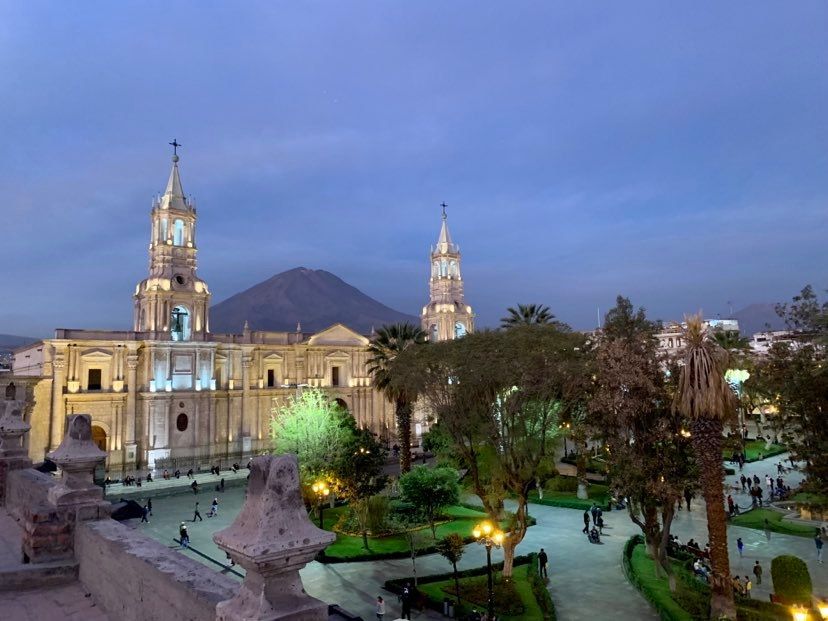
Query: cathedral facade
(170, 391)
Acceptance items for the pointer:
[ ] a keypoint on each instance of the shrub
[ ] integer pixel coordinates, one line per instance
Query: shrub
(791, 579)
(562, 484)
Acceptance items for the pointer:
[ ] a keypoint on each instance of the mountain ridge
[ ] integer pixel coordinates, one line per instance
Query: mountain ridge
(315, 298)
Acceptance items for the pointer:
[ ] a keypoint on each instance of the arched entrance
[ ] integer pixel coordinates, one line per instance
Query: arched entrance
(99, 437)
(341, 403)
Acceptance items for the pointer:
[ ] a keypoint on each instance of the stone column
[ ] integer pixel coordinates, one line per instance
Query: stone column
(58, 403)
(244, 423)
(272, 557)
(130, 444)
(13, 454)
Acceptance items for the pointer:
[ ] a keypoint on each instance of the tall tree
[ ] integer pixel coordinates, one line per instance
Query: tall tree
(389, 342)
(527, 314)
(451, 547)
(705, 398)
(430, 490)
(630, 411)
(794, 377)
(499, 397)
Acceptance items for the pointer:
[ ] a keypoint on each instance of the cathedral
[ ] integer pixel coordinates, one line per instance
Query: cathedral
(170, 392)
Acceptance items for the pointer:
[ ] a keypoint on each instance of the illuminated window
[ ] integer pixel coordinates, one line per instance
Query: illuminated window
(432, 333)
(178, 233)
(180, 324)
(459, 330)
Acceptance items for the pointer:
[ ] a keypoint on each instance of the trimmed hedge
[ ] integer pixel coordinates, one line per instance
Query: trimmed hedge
(539, 590)
(791, 579)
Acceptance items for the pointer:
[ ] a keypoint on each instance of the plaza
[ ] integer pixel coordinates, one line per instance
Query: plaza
(581, 576)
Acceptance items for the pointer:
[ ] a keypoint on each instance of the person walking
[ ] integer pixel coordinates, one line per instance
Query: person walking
(149, 506)
(213, 508)
(197, 513)
(757, 571)
(194, 485)
(586, 521)
(380, 608)
(748, 586)
(594, 512)
(740, 545)
(743, 481)
(688, 496)
(731, 506)
(144, 512)
(542, 561)
(183, 535)
(818, 543)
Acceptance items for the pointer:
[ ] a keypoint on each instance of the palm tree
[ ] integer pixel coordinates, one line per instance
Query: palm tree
(707, 401)
(387, 344)
(527, 314)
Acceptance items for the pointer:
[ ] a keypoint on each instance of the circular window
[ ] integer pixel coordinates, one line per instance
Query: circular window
(181, 404)
(181, 422)
(179, 279)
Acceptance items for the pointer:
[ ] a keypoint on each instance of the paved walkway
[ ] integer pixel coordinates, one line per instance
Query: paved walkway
(68, 602)
(166, 487)
(580, 573)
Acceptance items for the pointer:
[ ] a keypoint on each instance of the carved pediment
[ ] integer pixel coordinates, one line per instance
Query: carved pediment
(96, 354)
(273, 357)
(338, 354)
(338, 334)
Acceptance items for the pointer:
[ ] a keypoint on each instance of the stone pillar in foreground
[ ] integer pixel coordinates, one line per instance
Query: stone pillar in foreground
(13, 455)
(77, 457)
(272, 538)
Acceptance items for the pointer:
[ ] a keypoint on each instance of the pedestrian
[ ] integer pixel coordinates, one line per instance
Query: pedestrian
(144, 512)
(748, 587)
(183, 535)
(149, 506)
(688, 496)
(818, 543)
(194, 485)
(405, 600)
(594, 512)
(221, 485)
(380, 608)
(743, 481)
(601, 524)
(766, 527)
(542, 561)
(741, 545)
(196, 513)
(730, 505)
(755, 480)
(586, 521)
(213, 508)
(190, 473)
(757, 571)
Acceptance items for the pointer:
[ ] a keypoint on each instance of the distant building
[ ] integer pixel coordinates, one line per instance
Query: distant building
(761, 342)
(671, 336)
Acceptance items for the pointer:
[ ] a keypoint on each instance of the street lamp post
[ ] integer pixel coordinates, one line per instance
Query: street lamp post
(488, 535)
(322, 491)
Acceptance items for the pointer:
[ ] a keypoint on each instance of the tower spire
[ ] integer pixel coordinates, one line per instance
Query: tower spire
(174, 194)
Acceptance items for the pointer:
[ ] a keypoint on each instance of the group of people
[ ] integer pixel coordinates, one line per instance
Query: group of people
(742, 587)
(594, 532)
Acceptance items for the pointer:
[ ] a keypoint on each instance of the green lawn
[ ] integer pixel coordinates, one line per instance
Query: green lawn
(755, 448)
(811, 499)
(350, 548)
(438, 591)
(569, 500)
(756, 519)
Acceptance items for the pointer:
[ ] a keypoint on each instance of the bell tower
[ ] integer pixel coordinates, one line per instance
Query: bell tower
(446, 316)
(172, 302)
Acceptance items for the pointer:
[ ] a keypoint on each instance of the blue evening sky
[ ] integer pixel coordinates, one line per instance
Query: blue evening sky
(673, 152)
